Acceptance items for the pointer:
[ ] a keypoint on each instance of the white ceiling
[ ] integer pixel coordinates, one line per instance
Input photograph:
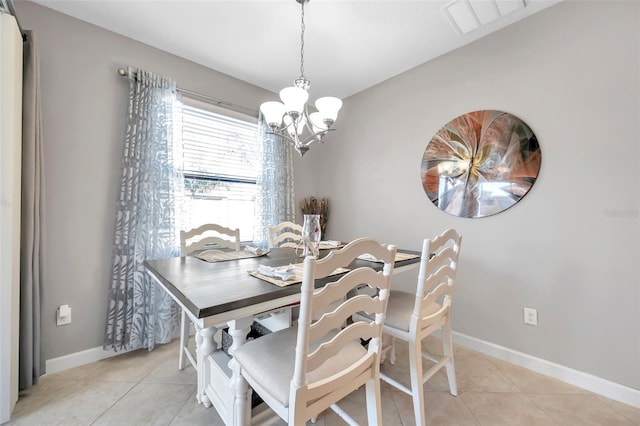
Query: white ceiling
(350, 45)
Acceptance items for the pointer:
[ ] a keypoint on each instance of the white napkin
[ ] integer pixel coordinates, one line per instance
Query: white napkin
(284, 273)
(256, 250)
(369, 257)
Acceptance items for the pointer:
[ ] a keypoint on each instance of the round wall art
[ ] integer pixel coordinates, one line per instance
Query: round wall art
(480, 164)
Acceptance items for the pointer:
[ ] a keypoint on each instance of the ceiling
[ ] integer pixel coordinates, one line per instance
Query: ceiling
(350, 45)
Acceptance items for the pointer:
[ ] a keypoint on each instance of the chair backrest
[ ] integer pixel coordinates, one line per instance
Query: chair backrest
(285, 234)
(324, 311)
(209, 233)
(438, 267)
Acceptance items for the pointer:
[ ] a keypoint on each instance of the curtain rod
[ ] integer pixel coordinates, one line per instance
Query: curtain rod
(225, 104)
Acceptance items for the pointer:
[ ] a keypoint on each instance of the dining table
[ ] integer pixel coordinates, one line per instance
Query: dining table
(228, 293)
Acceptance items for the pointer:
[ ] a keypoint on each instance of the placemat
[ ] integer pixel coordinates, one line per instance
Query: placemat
(298, 279)
(327, 245)
(399, 257)
(221, 256)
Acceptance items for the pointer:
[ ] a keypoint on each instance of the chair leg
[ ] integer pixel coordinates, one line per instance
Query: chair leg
(374, 402)
(184, 340)
(392, 351)
(417, 385)
(447, 350)
(385, 347)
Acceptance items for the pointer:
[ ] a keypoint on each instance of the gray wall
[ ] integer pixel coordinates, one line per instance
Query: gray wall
(570, 247)
(84, 106)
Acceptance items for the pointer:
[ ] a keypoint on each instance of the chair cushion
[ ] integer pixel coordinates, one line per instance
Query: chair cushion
(400, 308)
(270, 359)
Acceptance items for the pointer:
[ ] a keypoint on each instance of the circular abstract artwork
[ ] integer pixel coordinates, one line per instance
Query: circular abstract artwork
(480, 163)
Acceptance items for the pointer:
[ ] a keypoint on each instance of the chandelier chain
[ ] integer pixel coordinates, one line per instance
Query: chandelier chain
(302, 41)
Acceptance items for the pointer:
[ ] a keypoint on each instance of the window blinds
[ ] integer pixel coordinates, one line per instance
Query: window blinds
(220, 167)
(216, 147)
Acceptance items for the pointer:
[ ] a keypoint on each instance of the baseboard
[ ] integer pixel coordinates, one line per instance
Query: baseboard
(76, 359)
(577, 378)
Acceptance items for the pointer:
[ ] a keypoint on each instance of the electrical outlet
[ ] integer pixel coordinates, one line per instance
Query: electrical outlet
(63, 315)
(530, 316)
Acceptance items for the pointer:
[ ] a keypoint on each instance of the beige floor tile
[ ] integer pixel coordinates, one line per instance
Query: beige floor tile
(441, 409)
(40, 396)
(167, 371)
(531, 382)
(400, 371)
(148, 404)
(505, 409)
(354, 404)
(434, 346)
(582, 410)
(277, 421)
(146, 388)
(77, 403)
(94, 370)
(131, 366)
(194, 414)
(476, 373)
(627, 411)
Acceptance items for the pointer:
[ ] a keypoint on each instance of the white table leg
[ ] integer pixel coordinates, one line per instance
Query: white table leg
(205, 346)
(240, 408)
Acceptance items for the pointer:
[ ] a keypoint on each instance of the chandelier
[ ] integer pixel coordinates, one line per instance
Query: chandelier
(290, 119)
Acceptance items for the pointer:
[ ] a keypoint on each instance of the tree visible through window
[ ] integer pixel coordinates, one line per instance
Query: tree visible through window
(220, 169)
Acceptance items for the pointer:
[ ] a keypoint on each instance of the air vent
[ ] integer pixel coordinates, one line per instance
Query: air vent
(468, 15)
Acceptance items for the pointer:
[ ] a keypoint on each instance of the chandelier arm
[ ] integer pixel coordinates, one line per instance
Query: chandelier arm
(279, 133)
(316, 137)
(309, 126)
(308, 123)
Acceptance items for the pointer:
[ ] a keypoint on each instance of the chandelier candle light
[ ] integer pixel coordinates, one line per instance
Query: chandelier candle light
(290, 119)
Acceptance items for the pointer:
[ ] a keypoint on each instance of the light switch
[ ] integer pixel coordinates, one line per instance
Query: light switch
(64, 315)
(65, 310)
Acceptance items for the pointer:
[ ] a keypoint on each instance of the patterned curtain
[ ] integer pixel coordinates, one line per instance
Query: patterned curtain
(140, 314)
(275, 198)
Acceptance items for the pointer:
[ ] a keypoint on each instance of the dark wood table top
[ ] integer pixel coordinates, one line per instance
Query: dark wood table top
(211, 288)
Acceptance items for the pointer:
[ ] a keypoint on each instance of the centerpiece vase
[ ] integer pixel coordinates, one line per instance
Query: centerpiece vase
(311, 235)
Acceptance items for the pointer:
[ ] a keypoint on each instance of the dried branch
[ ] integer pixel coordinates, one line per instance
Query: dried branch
(313, 205)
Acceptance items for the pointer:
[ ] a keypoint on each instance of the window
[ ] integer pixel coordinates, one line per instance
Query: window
(220, 167)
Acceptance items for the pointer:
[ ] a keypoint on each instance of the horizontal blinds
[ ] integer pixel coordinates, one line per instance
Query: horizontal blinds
(220, 168)
(218, 147)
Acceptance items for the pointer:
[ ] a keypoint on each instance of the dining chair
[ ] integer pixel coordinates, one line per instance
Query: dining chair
(413, 317)
(191, 241)
(303, 370)
(285, 234)
(207, 234)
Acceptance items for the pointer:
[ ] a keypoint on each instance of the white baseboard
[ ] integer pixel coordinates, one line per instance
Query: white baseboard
(577, 378)
(55, 365)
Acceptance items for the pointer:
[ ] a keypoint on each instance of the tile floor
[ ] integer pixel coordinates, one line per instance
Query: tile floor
(146, 388)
